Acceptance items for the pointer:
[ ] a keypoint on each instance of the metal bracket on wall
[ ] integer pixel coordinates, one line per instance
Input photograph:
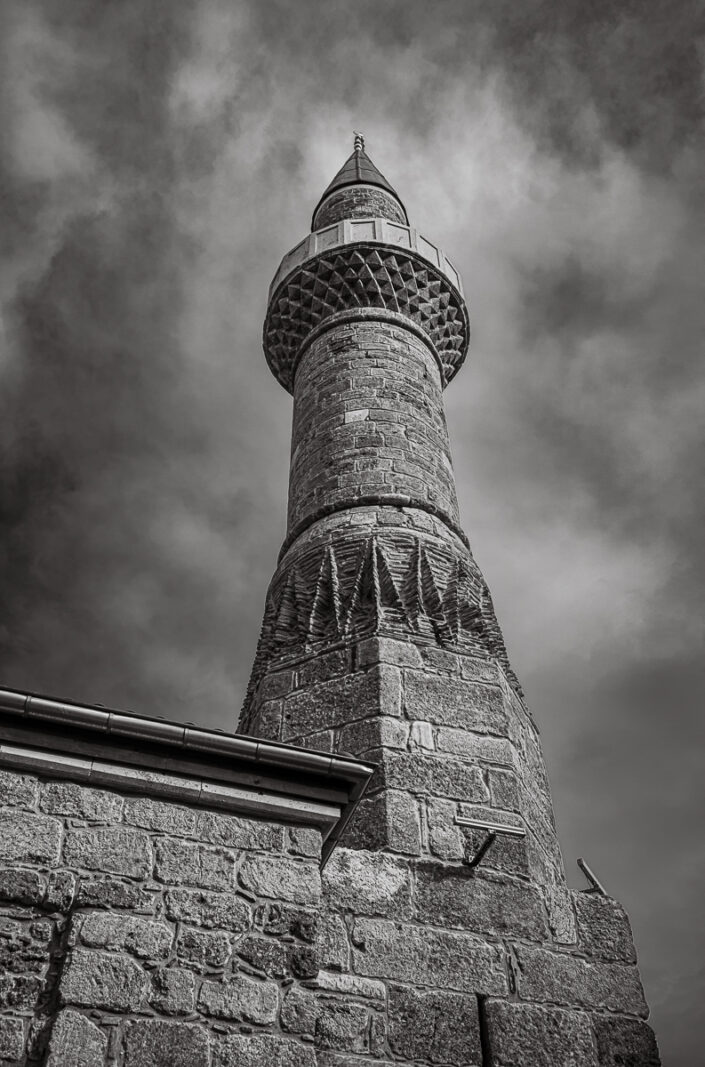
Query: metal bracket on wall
(492, 829)
(595, 885)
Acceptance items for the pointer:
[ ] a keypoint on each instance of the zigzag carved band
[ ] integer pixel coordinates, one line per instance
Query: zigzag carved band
(364, 276)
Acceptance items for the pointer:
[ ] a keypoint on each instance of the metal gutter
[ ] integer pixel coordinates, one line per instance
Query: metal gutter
(184, 739)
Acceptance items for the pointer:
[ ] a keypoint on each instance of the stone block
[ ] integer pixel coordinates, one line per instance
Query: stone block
(504, 789)
(260, 1049)
(203, 948)
(282, 878)
(385, 650)
(188, 863)
(27, 838)
(561, 917)
(379, 731)
(111, 893)
(81, 802)
(480, 670)
(333, 944)
(23, 945)
(61, 890)
(475, 746)
(173, 991)
(143, 938)
(341, 1025)
(161, 816)
(389, 819)
(528, 1036)
(76, 1042)
(202, 907)
(19, 886)
(444, 837)
(459, 896)
(299, 1012)
(265, 954)
(19, 992)
(322, 667)
(239, 998)
(434, 1027)
(11, 1039)
(603, 928)
(625, 1042)
(278, 919)
(234, 831)
(367, 883)
(454, 702)
(437, 775)
(454, 961)
(349, 985)
(18, 790)
(116, 850)
(304, 841)
(563, 979)
(509, 855)
(156, 1043)
(333, 703)
(95, 980)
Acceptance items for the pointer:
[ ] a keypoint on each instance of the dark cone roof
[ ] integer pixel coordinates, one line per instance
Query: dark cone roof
(358, 169)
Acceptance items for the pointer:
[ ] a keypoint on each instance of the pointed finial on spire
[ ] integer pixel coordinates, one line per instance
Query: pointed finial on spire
(359, 143)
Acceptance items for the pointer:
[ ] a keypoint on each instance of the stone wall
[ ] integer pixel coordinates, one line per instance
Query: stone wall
(369, 423)
(358, 202)
(146, 933)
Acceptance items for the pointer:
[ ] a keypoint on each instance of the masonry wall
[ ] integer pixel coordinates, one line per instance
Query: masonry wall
(145, 933)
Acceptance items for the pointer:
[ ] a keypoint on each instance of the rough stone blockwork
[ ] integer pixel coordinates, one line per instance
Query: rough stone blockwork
(145, 933)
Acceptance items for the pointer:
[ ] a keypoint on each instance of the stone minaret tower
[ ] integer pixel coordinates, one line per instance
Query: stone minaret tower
(380, 641)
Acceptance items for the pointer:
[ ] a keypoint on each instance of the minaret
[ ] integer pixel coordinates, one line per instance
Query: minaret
(380, 639)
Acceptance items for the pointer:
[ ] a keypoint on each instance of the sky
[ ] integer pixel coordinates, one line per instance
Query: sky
(157, 159)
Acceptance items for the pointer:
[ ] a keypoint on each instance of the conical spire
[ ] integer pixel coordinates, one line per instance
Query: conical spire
(358, 169)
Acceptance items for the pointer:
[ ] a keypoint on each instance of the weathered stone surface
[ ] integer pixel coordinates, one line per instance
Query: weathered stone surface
(453, 702)
(204, 948)
(67, 798)
(389, 819)
(240, 998)
(19, 992)
(444, 837)
(299, 1012)
(202, 907)
(115, 849)
(231, 831)
(562, 979)
(127, 933)
(603, 928)
(351, 985)
(367, 883)
(281, 919)
(11, 1039)
(436, 1027)
(282, 878)
(261, 1049)
(457, 896)
(154, 1043)
(383, 949)
(265, 954)
(23, 945)
(561, 917)
(475, 746)
(76, 1042)
(539, 1037)
(18, 790)
(330, 703)
(189, 863)
(504, 789)
(304, 841)
(26, 838)
(61, 890)
(160, 815)
(625, 1042)
(19, 886)
(173, 991)
(378, 731)
(96, 980)
(386, 650)
(333, 945)
(341, 1025)
(111, 893)
(422, 773)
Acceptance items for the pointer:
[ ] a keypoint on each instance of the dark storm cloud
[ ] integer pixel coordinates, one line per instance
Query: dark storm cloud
(156, 161)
